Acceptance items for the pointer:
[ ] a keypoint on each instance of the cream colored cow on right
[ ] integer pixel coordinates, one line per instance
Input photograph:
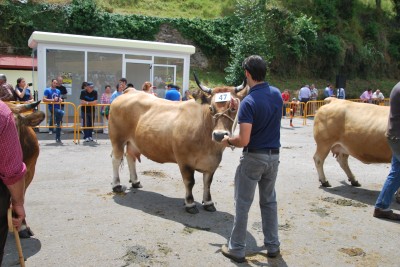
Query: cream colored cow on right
(348, 128)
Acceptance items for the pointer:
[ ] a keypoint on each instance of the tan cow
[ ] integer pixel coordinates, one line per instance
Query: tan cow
(29, 144)
(186, 133)
(349, 128)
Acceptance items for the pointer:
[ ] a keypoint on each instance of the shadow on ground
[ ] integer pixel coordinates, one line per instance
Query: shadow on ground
(359, 194)
(173, 209)
(30, 246)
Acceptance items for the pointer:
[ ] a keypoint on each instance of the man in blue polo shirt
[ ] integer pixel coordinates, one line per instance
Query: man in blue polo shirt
(259, 119)
(173, 93)
(52, 96)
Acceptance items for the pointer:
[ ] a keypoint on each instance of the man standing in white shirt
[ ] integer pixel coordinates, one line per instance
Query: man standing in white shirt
(304, 96)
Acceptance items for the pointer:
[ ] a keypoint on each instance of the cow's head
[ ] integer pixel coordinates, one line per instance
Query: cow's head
(223, 105)
(23, 117)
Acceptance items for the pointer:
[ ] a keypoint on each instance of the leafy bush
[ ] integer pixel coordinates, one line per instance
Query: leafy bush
(250, 39)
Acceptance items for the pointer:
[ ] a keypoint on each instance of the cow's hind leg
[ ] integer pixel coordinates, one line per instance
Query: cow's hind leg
(25, 231)
(117, 158)
(131, 158)
(188, 180)
(319, 158)
(208, 204)
(343, 160)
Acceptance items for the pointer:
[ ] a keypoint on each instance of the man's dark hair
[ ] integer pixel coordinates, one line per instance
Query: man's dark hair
(256, 66)
(123, 80)
(130, 85)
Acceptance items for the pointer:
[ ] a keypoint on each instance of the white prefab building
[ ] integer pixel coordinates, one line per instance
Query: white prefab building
(103, 61)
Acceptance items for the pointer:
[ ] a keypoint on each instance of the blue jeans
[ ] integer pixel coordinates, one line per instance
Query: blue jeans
(87, 121)
(392, 182)
(58, 116)
(254, 169)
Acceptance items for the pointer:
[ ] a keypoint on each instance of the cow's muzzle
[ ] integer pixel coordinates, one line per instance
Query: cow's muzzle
(218, 136)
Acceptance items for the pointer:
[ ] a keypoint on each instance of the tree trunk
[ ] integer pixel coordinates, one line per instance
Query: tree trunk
(378, 5)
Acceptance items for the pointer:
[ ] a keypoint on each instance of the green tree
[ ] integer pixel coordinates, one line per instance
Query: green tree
(396, 7)
(250, 39)
(84, 17)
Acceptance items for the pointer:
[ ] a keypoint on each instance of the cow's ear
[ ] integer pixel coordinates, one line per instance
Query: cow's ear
(33, 119)
(234, 104)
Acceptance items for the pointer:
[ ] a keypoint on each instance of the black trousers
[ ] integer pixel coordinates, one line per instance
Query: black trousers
(4, 205)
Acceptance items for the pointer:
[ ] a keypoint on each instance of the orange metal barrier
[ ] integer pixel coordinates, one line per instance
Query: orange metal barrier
(297, 108)
(313, 106)
(68, 122)
(98, 120)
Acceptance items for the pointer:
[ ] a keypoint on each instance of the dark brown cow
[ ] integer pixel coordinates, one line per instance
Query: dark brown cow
(29, 144)
(186, 133)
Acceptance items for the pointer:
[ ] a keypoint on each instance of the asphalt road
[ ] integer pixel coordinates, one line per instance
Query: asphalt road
(78, 221)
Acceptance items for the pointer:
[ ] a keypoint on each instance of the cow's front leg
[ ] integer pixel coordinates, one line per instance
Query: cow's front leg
(343, 160)
(319, 158)
(208, 204)
(188, 180)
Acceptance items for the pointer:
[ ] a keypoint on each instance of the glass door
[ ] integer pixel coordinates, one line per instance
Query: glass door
(138, 73)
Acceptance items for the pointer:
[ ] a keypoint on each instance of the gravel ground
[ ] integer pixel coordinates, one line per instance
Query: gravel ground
(78, 221)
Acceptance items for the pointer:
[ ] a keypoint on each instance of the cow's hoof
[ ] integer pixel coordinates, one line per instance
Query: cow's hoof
(192, 210)
(26, 233)
(355, 183)
(210, 207)
(326, 184)
(136, 185)
(119, 189)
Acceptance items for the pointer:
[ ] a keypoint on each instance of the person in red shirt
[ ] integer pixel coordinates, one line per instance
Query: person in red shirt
(12, 171)
(285, 98)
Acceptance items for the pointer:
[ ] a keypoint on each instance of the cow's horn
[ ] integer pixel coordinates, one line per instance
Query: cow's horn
(25, 107)
(242, 86)
(202, 87)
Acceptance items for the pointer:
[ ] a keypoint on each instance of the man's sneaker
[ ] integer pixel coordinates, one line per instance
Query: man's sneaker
(50, 132)
(58, 140)
(90, 139)
(274, 254)
(386, 214)
(225, 251)
(87, 139)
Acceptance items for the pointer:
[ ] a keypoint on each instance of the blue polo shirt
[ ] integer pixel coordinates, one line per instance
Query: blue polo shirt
(51, 94)
(173, 94)
(262, 107)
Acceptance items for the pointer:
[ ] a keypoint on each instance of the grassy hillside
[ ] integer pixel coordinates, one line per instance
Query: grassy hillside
(351, 32)
(206, 9)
